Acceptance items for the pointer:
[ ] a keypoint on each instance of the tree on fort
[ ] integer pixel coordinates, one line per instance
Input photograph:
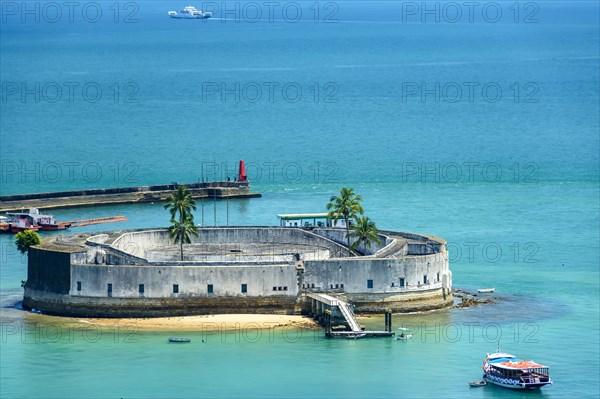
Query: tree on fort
(345, 206)
(181, 204)
(365, 231)
(26, 239)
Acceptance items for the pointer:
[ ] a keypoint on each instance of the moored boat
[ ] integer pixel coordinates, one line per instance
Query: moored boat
(33, 220)
(19, 225)
(477, 383)
(4, 225)
(403, 336)
(505, 370)
(180, 340)
(355, 336)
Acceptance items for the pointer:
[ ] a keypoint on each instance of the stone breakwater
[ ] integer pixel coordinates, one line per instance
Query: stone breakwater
(123, 195)
(138, 273)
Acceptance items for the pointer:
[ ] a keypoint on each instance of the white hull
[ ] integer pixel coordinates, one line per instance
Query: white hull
(189, 17)
(512, 384)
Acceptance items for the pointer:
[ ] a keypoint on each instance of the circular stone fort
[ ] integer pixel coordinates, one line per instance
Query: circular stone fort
(139, 273)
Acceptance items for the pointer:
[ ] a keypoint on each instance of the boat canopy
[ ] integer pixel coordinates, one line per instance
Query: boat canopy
(515, 364)
(499, 355)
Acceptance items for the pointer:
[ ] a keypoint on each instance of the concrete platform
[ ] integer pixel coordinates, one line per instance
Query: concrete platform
(123, 195)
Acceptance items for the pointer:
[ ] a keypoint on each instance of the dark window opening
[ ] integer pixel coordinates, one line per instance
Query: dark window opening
(337, 286)
(79, 286)
(425, 279)
(438, 276)
(244, 288)
(141, 288)
(274, 288)
(369, 283)
(402, 282)
(175, 288)
(331, 286)
(279, 288)
(285, 288)
(342, 286)
(392, 284)
(313, 286)
(109, 289)
(209, 288)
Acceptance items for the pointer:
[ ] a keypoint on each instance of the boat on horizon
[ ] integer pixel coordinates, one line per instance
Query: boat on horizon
(506, 370)
(190, 12)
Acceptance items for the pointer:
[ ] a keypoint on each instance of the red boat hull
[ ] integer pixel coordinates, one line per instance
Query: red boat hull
(17, 229)
(53, 227)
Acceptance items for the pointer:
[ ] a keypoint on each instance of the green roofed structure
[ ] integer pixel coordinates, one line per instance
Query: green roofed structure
(308, 220)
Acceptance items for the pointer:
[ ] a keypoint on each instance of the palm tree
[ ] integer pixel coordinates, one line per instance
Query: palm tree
(181, 232)
(26, 239)
(346, 206)
(181, 204)
(366, 233)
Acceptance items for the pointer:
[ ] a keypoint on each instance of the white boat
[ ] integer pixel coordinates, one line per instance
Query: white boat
(355, 336)
(180, 340)
(477, 383)
(505, 370)
(189, 12)
(486, 290)
(403, 336)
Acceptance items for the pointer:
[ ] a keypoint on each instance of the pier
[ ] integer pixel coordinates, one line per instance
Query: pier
(325, 309)
(124, 195)
(87, 222)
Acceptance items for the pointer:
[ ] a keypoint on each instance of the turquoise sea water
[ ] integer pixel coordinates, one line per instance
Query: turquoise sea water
(508, 177)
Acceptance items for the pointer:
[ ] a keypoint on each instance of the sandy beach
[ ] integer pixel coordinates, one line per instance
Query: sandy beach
(188, 323)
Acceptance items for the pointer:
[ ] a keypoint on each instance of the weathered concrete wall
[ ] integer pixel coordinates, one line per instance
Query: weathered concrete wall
(339, 236)
(427, 298)
(353, 274)
(80, 306)
(202, 253)
(48, 270)
(135, 243)
(425, 245)
(158, 281)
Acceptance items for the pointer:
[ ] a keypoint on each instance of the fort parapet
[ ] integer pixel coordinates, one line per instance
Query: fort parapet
(138, 273)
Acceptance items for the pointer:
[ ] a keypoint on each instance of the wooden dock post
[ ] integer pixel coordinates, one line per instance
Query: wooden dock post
(328, 321)
(388, 320)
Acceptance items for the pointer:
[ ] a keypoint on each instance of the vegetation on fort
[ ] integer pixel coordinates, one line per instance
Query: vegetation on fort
(365, 231)
(180, 205)
(347, 206)
(26, 239)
